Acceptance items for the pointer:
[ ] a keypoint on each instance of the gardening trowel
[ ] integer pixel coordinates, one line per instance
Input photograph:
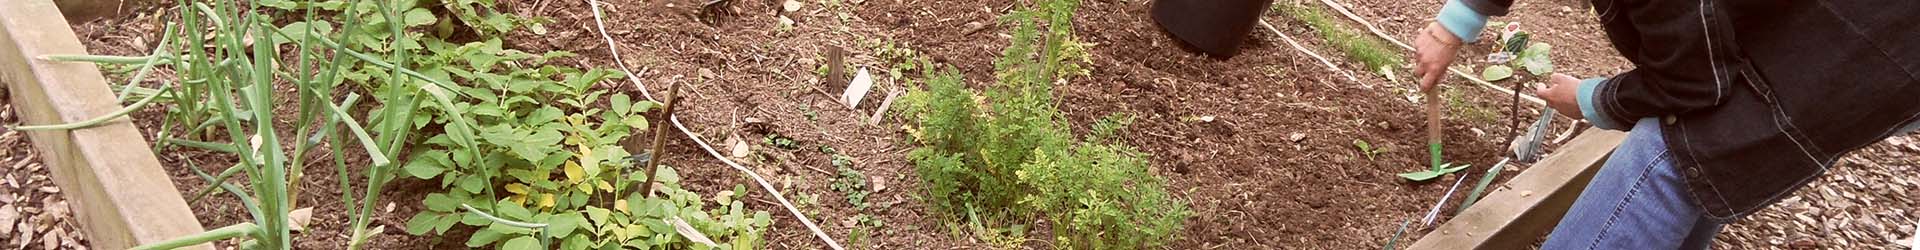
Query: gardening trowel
(1216, 27)
(1433, 125)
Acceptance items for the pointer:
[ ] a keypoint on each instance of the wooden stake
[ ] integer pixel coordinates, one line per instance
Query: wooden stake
(659, 141)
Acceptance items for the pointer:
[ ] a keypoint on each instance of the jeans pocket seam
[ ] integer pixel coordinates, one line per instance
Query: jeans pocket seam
(1632, 191)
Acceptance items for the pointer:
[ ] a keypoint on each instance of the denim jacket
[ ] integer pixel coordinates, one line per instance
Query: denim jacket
(1756, 98)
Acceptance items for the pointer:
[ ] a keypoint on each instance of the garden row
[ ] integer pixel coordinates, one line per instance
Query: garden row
(529, 154)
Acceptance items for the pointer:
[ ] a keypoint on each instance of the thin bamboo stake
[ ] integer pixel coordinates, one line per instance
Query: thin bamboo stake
(1463, 74)
(659, 141)
(635, 79)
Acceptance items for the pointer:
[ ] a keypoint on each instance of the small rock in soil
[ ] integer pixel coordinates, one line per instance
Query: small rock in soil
(741, 150)
(7, 216)
(878, 183)
(708, 74)
(51, 240)
(1804, 243)
(972, 27)
(792, 5)
(298, 219)
(1296, 137)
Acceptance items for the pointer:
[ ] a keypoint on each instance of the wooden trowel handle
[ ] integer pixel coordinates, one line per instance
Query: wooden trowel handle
(1433, 124)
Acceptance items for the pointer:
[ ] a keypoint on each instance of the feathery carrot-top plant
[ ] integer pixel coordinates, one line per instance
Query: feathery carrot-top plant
(1008, 154)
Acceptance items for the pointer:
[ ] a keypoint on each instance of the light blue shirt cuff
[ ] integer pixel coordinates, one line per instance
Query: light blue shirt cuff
(1461, 20)
(1915, 126)
(1590, 110)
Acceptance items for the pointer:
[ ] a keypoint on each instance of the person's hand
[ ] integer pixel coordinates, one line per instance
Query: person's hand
(1562, 94)
(1434, 49)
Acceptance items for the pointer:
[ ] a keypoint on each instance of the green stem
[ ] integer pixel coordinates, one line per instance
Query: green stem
(209, 146)
(149, 60)
(224, 175)
(228, 232)
(503, 221)
(96, 121)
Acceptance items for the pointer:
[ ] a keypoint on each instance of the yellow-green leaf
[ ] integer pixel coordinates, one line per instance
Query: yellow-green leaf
(517, 188)
(523, 242)
(574, 173)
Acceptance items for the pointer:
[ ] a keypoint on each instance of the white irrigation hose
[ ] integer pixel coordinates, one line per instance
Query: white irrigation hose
(1303, 49)
(1435, 212)
(635, 79)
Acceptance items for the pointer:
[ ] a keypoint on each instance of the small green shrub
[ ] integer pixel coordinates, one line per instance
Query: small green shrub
(1009, 153)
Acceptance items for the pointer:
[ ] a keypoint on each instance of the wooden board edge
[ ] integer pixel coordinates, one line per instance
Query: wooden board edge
(1518, 212)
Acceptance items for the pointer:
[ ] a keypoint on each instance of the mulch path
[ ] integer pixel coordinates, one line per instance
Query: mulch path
(33, 213)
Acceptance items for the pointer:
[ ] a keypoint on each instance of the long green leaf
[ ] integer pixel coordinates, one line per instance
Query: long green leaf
(1485, 179)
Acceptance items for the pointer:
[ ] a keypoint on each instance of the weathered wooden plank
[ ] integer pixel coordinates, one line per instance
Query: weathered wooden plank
(77, 11)
(1528, 206)
(121, 196)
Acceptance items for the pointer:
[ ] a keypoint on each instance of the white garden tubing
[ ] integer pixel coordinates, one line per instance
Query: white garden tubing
(635, 79)
(1303, 49)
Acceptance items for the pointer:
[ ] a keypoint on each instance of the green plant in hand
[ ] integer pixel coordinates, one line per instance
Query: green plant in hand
(1517, 50)
(1012, 155)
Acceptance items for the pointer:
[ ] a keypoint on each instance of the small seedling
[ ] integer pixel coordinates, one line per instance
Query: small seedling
(851, 183)
(1367, 149)
(781, 141)
(1516, 50)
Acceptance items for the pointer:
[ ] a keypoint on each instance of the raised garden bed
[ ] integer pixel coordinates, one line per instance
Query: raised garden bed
(121, 194)
(1260, 146)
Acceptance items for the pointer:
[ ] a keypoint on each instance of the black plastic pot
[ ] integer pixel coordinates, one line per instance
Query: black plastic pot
(1215, 27)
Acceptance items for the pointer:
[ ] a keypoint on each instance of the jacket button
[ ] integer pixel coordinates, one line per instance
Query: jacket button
(1693, 172)
(1669, 120)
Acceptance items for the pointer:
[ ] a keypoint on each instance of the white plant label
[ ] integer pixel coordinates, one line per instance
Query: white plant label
(862, 82)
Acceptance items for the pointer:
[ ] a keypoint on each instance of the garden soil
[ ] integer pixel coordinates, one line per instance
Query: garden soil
(1260, 145)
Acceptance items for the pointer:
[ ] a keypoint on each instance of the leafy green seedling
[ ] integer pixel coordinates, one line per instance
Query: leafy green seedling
(1517, 50)
(1367, 149)
(1535, 59)
(1496, 73)
(781, 141)
(1436, 171)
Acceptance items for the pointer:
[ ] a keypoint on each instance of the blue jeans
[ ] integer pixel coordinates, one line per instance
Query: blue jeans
(1638, 200)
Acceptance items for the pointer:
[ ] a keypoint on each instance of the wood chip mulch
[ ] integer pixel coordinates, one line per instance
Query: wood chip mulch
(1866, 201)
(33, 213)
